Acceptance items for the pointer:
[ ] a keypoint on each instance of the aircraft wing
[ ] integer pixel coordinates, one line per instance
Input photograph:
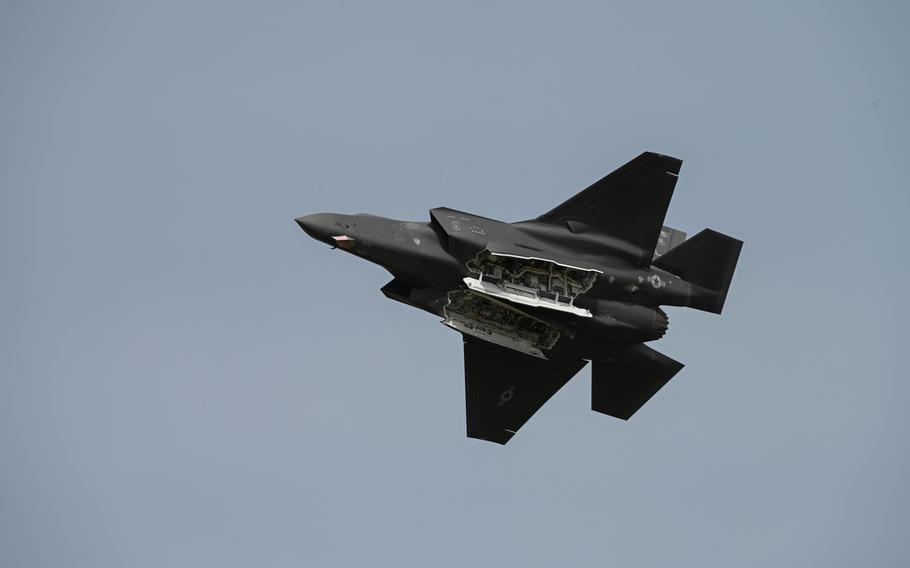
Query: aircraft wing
(629, 204)
(504, 388)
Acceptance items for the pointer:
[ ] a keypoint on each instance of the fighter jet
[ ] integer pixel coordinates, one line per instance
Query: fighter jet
(536, 300)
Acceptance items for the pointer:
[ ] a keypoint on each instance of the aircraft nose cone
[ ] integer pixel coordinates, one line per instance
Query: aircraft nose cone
(319, 225)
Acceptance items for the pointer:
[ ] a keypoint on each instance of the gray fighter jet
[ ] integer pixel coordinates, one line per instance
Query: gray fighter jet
(536, 300)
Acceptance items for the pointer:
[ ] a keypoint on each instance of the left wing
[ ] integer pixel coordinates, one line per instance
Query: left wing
(504, 388)
(629, 204)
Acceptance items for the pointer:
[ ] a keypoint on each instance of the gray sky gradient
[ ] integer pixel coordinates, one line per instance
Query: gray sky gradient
(188, 380)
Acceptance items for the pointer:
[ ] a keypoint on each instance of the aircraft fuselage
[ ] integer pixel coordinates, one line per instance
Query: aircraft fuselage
(621, 304)
(535, 300)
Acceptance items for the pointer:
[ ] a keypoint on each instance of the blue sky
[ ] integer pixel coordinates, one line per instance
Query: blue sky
(188, 380)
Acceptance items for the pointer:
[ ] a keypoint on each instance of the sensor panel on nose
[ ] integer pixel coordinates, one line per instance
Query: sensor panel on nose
(343, 241)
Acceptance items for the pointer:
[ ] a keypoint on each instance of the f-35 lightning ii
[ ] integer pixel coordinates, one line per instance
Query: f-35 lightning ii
(536, 300)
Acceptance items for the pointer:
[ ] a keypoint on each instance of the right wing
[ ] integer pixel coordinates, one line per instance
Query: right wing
(504, 388)
(628, 204)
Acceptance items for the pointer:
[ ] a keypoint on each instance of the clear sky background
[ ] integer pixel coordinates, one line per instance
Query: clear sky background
(188, 380)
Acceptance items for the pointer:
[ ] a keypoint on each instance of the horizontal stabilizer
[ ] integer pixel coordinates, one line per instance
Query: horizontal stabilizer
(622, 385)
(708, 260)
